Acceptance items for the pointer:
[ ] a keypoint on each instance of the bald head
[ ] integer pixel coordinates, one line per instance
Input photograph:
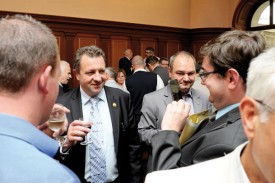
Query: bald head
(128, 53)
(137, 62)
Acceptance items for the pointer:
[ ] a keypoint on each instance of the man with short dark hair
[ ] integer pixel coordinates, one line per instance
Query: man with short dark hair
(223, 72)
(252, 161)
(114, 154)
(153, 65)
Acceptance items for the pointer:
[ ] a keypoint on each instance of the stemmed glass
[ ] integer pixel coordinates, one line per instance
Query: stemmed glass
(57, 119)
(86, 140)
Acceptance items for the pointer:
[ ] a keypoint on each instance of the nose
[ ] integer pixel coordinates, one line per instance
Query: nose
(185, 77)
(97, 76)
(202, 82)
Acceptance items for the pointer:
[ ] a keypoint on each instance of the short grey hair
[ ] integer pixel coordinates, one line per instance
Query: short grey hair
(26, 45)
(111, 72)
(260, 80)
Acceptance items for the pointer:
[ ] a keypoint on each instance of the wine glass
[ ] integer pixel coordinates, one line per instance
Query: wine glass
(57, 119)
(86, 139)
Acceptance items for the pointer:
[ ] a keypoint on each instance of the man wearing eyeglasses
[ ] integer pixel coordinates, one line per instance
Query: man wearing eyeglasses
(223, 71)
(252, 161)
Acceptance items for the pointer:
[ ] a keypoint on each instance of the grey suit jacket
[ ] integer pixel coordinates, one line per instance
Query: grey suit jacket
(214, 140)
(126, 139)
(153, 108)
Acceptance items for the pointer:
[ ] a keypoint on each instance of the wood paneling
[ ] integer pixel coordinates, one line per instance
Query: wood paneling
(149, 42)
(118, 45)
(173, 47)
(114, 37)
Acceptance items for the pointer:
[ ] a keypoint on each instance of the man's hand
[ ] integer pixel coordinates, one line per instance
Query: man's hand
(45, 126)
(77, 131)
(175, 116)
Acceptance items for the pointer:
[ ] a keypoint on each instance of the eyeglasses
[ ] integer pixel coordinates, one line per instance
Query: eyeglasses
(203, 75)
(270, 109)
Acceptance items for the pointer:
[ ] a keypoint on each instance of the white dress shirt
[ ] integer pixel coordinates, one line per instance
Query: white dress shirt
(109, 147)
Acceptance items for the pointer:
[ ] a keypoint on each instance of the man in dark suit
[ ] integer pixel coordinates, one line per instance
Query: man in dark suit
(121, 142)
(224, 72)
(153, 65)
(64, 77)
(125, 62)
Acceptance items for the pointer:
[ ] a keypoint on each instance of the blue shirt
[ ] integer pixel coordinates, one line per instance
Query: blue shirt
(26, 154)
(226, 109)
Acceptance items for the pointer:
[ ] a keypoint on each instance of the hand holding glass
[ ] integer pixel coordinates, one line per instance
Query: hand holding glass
(57, 118)
(86, 140)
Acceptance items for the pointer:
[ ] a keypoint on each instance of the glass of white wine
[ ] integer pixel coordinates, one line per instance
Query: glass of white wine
(57, 118)
(86, 138)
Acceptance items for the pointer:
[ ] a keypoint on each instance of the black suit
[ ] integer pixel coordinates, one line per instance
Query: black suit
(60, 91)
(139, 84)
(126, 64)
(212, 141)
(127, 145)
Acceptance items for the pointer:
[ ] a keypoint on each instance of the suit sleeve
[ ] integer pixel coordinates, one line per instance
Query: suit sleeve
(166, 151)
(147, 126)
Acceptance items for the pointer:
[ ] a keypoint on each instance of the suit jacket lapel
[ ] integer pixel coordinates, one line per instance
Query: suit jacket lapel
(223, 121)
(167, 95)
(75, 105)
(113, 103)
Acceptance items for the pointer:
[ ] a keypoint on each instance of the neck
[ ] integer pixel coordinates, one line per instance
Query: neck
(251, 169)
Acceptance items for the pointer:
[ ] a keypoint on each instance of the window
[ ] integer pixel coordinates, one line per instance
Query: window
(264, 22)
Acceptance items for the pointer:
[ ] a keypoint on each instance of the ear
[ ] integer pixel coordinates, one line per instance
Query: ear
(170, 72)
(76, 74)
(43, 79)
(233, 78)
(250, 115)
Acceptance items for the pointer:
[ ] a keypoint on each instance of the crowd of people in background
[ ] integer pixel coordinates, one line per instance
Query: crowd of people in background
(124, 123)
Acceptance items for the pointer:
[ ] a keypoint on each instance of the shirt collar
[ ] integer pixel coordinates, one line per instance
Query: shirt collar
(189, 94)
(86, 98)
(140, 70)
(226, 109)
(18, 128)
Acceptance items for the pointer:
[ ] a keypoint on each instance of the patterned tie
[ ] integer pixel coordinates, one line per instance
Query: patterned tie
(97, 155)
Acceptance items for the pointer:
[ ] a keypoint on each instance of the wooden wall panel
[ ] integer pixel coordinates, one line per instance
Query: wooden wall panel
(86, 40)
(60, 38)
(114, 37)
(148, 43)
(172, 48)
(118, 44)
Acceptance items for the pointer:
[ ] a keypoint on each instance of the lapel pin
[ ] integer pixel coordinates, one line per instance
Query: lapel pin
(114, 104)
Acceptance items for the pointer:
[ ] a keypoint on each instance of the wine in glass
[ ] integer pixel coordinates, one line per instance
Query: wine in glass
(86, 140)
(57, 118)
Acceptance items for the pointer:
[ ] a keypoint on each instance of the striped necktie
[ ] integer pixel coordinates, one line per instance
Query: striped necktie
(96, 148)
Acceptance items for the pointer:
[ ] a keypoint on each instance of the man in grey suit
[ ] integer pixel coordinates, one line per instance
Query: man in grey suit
(182, 68)
(251, 161)
(118, 130)
(224, 72)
